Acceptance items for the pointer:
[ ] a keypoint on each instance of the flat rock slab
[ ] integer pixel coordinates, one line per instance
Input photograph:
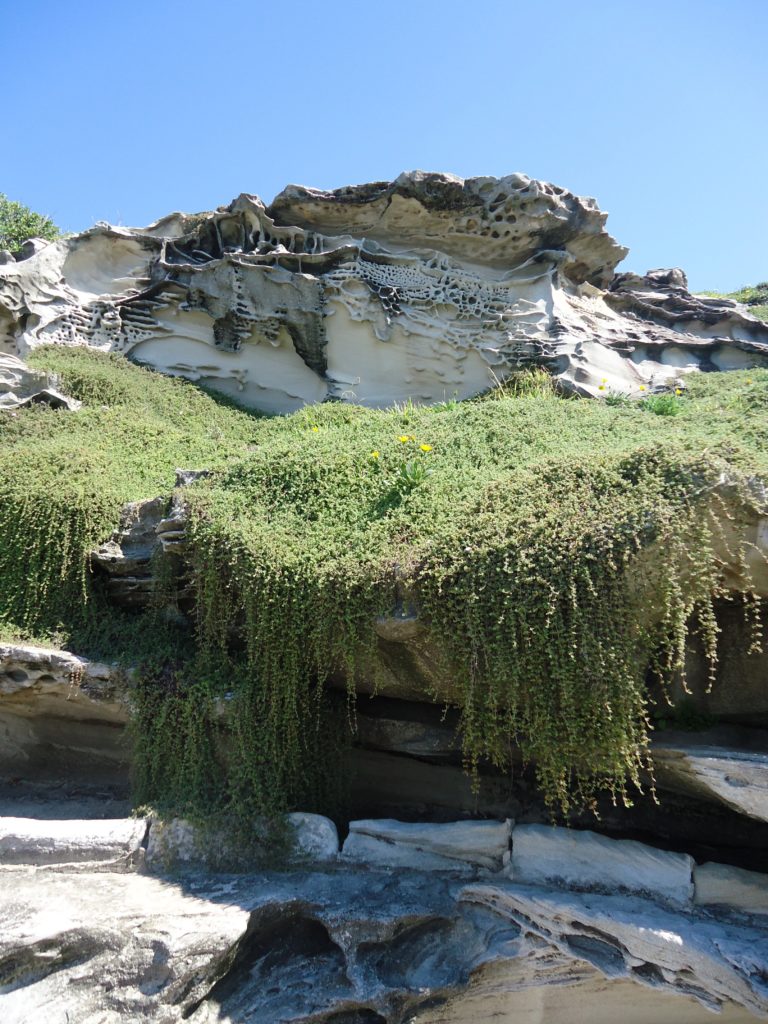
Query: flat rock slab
(543, 854)
(723, 885)
(105, 948)
(31, 841)
(736, 778)
(464, 846)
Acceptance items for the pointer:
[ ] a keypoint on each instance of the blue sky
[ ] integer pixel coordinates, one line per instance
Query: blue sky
(125, 111)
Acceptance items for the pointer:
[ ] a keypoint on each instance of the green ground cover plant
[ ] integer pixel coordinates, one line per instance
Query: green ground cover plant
(526, 527)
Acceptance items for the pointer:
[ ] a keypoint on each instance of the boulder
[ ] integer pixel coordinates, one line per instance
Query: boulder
(724, 885)
(461, 846)
(547, 855)
(176, 843)
(315, 837)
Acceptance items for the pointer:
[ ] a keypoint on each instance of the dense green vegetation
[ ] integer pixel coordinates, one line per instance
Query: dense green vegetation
(18, 223)
(754, 296)
(527, 527)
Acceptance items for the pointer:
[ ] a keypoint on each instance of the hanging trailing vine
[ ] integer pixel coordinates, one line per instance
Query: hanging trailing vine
(557, 551)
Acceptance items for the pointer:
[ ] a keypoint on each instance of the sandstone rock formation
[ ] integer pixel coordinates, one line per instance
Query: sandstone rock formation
(20, 385)
(61, 715)
(427, 287)
(432, 922)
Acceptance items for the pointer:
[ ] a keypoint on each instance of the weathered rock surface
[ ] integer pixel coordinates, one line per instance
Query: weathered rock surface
(347, 947)
(723, 885)
(463, 846)
(55, 678)
(21, 385)
(735, 777)
(61, 715)
(545, 855)
(421, 288)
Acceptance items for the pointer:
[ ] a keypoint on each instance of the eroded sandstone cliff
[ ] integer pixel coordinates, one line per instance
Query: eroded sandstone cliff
(425, 288)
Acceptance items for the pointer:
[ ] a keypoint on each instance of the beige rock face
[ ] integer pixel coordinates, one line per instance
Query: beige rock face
(497, 994)
(61, 715)
(427, 287)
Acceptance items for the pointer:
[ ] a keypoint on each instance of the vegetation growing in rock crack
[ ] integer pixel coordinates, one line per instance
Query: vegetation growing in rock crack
(556, 549)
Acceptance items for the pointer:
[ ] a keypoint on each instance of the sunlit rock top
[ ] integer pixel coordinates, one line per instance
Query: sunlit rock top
(428, 287)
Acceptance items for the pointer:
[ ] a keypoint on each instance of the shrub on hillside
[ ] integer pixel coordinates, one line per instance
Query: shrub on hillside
(18, 223)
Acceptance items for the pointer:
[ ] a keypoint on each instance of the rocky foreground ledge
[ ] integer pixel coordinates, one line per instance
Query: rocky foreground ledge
(109, 918)
(409, 922)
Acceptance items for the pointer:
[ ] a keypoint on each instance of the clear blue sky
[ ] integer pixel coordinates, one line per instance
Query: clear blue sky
(124, 111)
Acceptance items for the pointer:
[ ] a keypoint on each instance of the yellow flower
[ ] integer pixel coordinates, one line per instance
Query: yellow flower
(404, 438)
(374, 455)
(601, 388)
(642, 387)
(315, 429)
(604, 380)
(678, 391)
(426, 447)
(749, 382)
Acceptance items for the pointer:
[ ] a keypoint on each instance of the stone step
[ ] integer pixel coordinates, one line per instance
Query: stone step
(113, 843)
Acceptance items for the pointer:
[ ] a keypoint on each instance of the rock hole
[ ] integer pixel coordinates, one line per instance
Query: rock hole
(268, 976)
